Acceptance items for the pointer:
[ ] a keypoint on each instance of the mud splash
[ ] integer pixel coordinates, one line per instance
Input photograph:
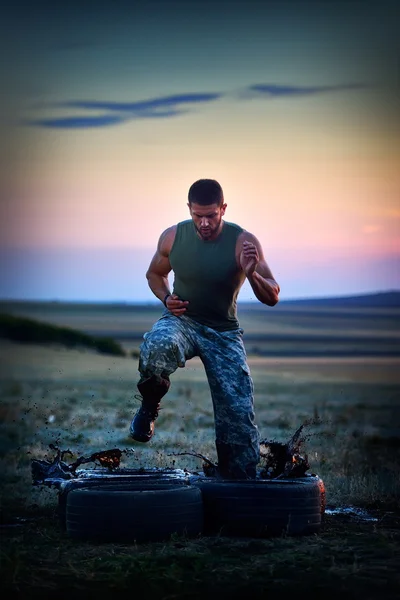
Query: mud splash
(277, 460)
(280, 459)
(59, 474)
(58, 469)
(209, 468)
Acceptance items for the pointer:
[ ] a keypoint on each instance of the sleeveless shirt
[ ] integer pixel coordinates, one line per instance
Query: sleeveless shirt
(207, 275)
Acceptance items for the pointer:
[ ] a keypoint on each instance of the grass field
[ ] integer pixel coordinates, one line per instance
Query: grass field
(84, 401)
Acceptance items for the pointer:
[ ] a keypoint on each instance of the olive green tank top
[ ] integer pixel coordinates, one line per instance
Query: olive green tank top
(207, 275)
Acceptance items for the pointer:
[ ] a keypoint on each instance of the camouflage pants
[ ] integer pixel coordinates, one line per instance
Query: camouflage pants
(173, 340)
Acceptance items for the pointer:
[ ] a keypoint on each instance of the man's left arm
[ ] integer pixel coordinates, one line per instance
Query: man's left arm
(255, 267)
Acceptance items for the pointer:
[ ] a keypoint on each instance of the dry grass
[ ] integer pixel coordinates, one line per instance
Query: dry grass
(85, 401)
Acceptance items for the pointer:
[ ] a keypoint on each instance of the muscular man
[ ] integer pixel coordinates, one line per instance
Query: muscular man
(211, 259)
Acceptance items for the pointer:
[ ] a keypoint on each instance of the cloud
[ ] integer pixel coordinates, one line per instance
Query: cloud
(100, 121)
(168, 106)
(77, 122)
(119, 112)
(273, 90)
(145, 106)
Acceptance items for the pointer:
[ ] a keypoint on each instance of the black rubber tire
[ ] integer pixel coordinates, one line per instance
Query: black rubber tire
(122, 512)
(99, 477)
(260, 507)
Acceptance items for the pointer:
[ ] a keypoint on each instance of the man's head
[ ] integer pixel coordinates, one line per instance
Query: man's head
(206, 192)
(206, 206)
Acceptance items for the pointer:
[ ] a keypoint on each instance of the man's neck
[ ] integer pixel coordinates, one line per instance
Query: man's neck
(214, 236)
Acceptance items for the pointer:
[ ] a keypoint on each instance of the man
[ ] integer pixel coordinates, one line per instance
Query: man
(211, 259)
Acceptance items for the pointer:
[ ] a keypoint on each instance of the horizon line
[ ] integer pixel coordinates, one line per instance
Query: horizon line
(155, 301)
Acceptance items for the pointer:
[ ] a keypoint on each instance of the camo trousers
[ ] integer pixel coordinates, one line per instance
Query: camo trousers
(173, 340)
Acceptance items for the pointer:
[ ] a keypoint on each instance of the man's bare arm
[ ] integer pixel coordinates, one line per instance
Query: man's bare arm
(157, 273)
(159, 268)
(255, 267)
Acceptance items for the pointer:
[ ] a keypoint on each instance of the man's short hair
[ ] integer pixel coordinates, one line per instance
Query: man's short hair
(205, 192)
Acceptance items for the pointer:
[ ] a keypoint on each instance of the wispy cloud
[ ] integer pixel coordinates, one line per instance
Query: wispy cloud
(146, 105)
(119, 112)
(116, 113)
(273, 90)
(77, 122)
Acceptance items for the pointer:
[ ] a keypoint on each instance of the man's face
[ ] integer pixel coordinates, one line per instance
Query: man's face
(207, 219)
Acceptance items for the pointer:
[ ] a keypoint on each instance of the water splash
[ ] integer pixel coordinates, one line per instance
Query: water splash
(351, 511)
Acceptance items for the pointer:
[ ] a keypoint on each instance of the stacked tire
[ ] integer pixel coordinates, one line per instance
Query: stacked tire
(261, 507)
(142, 508)
(134, 512)
(91, 478)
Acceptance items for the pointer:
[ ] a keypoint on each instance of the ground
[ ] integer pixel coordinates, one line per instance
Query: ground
(84, 401)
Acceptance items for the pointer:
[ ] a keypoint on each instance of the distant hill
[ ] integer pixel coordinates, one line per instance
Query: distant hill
(377, 300)
(390, 299)
(357, 326)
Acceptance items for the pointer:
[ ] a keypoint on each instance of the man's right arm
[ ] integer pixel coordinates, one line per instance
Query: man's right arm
(160, 267)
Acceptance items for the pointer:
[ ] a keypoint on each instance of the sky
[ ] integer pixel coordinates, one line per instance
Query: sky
(109, 111)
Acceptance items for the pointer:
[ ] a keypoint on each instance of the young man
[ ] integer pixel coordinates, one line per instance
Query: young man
(211, 259)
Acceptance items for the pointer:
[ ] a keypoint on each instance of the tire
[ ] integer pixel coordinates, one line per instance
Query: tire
(99, 477)
(134, 512)
(260, 508)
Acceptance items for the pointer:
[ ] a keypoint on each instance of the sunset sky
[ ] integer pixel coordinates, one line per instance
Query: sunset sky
(111, 110)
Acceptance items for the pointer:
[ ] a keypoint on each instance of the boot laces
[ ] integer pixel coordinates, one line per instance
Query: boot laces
(148, 412)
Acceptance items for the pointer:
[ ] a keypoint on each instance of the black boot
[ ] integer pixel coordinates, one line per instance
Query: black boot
(236, 461)
(152, 390)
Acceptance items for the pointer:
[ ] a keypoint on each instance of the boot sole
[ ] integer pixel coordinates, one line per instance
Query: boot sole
(139, 438)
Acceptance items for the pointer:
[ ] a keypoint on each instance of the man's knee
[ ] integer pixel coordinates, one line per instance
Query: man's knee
(160, 354)
(157, 344)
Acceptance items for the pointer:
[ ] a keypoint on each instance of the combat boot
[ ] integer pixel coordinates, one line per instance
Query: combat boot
(151, 390)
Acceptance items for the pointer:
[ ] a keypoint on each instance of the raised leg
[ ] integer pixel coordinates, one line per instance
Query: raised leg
(165, 348)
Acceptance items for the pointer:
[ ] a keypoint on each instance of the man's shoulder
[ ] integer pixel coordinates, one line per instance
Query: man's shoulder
(246, 236)
(169, 231)
(234, 226)
(185, 223)
(168, 236)
(235, 231)
(167, 239)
